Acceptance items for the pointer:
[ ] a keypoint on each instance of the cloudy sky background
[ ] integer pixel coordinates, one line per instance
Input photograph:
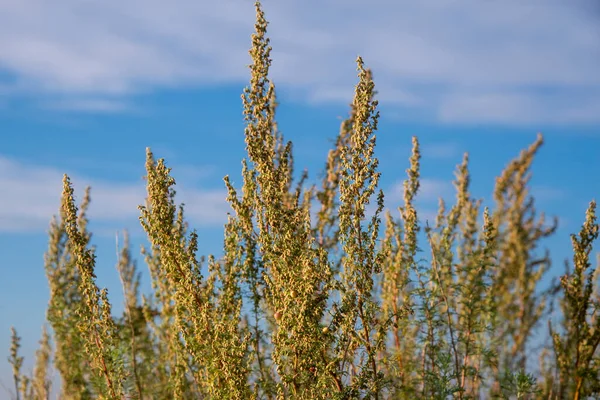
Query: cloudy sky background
(86, 86)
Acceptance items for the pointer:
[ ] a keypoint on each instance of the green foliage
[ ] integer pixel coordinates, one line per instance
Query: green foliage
(575, 349)
(518, 384)
(315, 297)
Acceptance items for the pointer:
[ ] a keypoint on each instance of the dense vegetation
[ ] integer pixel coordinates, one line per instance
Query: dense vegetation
(314, 297)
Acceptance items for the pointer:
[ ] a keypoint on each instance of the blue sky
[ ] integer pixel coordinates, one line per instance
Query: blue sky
(85, 87)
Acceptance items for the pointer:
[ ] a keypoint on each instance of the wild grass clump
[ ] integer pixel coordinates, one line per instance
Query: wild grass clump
(315, 297)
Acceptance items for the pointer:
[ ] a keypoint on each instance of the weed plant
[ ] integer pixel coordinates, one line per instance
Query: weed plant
(315, 297)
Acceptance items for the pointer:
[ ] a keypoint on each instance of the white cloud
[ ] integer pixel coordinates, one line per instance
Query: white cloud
(505, 61)
(522, 107)
(440, 150)
(430, 190)
(433, 189)
(31, 195)
(96, 105)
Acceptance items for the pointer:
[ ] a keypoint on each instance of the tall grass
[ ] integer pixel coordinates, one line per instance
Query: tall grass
(315, 297)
